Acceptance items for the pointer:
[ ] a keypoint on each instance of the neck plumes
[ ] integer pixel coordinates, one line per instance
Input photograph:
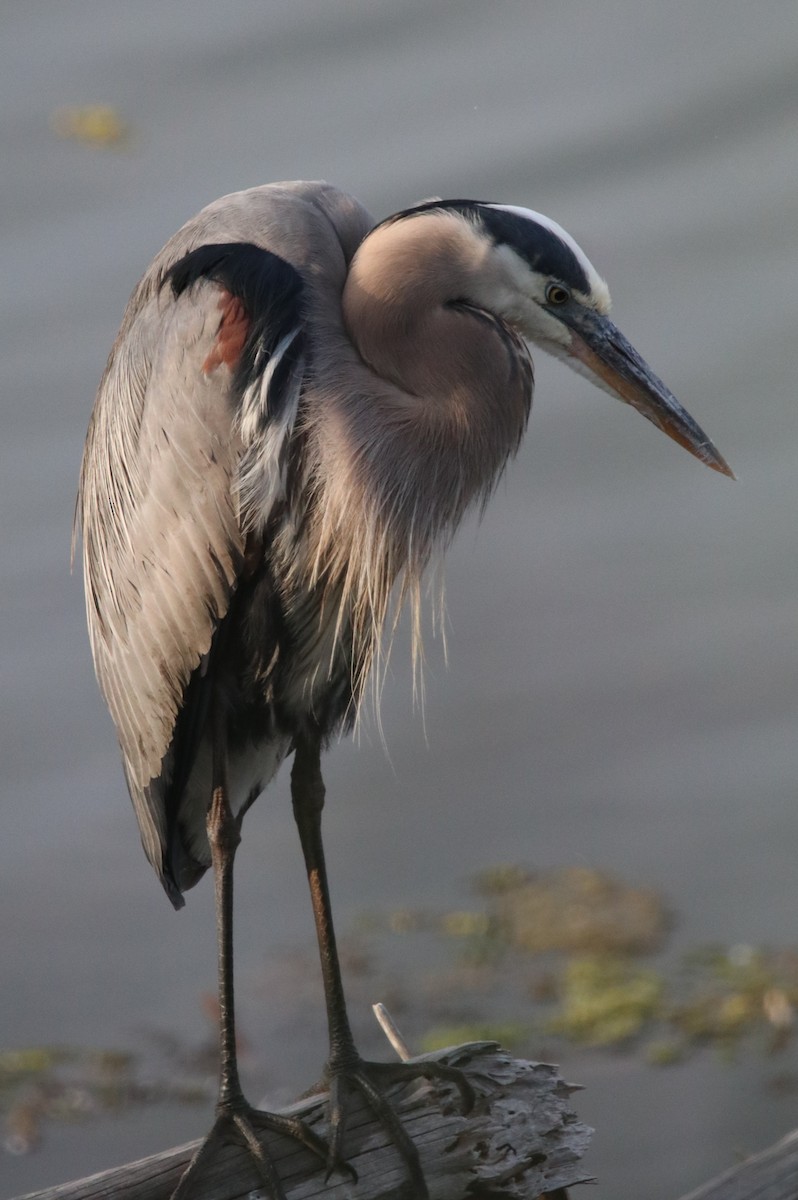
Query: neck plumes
(424, 416)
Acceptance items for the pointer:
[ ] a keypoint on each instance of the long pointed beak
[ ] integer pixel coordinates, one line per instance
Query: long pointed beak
(600, 347)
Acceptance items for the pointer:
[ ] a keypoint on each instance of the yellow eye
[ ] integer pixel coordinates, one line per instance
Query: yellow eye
(557, 294)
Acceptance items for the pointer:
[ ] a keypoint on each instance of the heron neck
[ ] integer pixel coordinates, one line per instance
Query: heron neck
(459, 379)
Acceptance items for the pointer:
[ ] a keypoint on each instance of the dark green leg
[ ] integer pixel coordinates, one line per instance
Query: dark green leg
(345, 1068)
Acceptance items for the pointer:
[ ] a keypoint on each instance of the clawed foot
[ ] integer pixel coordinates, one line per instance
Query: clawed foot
(239, 1124)
(353, 1074)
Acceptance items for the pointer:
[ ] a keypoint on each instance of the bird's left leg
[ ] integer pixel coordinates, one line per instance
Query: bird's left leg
(345, 1069)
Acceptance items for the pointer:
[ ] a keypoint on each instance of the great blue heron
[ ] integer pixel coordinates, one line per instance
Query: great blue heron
(299, 409)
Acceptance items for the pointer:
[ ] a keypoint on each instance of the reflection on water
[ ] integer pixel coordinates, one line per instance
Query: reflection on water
(621, 688)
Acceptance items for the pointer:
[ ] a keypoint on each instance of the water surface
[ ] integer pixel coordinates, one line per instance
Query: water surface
(622, 643)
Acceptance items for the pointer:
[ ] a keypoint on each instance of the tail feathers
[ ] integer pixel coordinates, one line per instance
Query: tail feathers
(172, 890)
(178, 872)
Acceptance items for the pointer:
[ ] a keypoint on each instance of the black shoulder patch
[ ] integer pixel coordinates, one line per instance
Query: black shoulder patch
(271, 292)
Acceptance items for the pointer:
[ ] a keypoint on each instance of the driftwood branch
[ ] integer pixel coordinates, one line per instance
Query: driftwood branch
(521, 1141)
(770, 1175)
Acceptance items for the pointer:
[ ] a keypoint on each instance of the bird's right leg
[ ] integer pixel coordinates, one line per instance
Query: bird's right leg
(236, 1121)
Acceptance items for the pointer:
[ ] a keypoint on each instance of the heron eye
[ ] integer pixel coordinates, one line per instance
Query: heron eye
(557, 294)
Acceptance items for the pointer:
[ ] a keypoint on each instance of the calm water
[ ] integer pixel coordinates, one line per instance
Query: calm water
(623, 652)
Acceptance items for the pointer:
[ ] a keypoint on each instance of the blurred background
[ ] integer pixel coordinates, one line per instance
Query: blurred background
(620, 691)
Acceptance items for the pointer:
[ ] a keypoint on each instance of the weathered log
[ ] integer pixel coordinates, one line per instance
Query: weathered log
(769, 1175)
(521, 1141)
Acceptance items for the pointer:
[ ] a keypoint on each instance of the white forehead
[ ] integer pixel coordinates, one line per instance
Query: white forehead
(599, 290)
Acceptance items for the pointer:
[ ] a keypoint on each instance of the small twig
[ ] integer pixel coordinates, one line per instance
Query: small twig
(389, 1028)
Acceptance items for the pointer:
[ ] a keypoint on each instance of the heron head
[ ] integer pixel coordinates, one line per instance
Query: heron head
(543, 284)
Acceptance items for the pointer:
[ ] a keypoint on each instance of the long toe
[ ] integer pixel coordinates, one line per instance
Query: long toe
(433, 1072)
(371, 1080)
(238, 1131)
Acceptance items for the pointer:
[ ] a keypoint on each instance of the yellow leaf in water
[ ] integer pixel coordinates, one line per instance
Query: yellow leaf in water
(97, 124)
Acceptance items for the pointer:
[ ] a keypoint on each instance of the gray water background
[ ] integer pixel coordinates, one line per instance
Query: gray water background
(621, 687)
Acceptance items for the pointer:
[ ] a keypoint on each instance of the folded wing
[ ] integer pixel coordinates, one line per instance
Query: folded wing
(185, 452)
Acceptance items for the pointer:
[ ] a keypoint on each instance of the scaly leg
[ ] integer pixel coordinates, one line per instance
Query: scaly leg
(236, 1120)
(345, 1068)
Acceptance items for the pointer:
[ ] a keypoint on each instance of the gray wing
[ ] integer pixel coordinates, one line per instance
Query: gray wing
(197, 402)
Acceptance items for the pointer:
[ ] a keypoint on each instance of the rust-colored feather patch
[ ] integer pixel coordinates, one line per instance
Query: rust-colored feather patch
(233, 331)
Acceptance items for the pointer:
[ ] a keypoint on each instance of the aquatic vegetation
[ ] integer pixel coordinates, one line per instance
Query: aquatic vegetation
(535, 961)
(606, 1000)
(41, 1084)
